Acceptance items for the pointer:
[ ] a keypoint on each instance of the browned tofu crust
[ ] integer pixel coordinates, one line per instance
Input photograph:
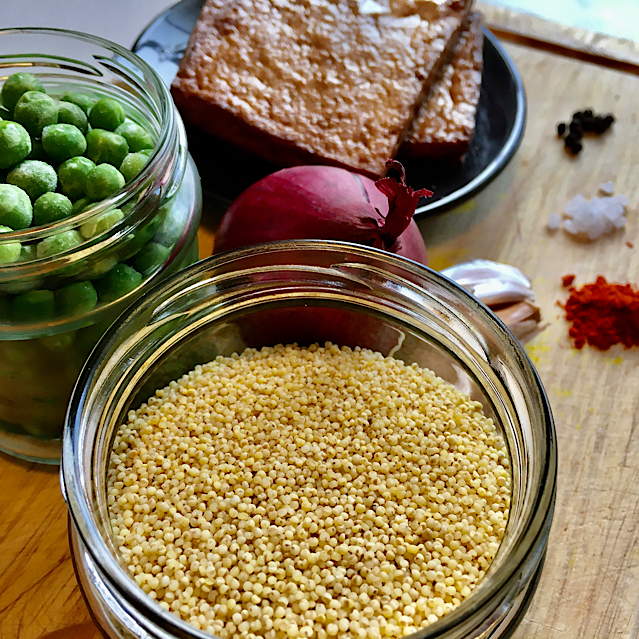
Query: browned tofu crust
(446, 122)
(315, 81)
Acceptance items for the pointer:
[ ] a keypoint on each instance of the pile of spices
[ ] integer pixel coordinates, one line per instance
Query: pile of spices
(309, 492)
(585, 121)
(602, 314)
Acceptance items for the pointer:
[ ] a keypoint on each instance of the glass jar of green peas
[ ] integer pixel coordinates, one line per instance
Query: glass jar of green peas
(99, 201)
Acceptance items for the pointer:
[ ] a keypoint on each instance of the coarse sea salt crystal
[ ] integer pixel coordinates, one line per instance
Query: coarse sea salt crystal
(554, 221)
(571, 227)
(583, 220)
(620, 222)
(607, 188)
(572, 206)
(596, 228)
(621, 199)
(597, 205)
(612, 210)
(594, 217)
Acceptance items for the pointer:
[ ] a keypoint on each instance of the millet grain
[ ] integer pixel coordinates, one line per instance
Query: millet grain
(308, 492)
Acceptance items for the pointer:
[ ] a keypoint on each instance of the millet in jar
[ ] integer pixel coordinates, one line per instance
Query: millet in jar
(308, 492)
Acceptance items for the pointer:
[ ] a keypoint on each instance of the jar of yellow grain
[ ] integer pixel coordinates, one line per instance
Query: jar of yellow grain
(309, 439)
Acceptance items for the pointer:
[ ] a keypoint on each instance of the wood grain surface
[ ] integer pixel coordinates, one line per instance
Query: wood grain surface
(590, 586)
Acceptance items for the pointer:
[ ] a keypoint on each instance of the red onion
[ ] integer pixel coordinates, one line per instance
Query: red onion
(327, 203)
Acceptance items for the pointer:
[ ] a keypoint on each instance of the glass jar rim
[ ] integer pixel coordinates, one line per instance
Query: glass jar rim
(168, 120)
(529, 543)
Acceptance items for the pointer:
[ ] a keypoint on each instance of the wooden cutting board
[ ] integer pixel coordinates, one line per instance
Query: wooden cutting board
(590, 585)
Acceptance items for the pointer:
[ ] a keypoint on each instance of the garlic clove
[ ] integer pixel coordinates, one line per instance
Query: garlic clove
(525, 331)
(494, 292)
(468, 274)
(523, 319)
(504, 289)
(520, 312)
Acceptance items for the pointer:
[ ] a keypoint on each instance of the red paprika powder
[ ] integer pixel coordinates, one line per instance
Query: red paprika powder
(603, 314)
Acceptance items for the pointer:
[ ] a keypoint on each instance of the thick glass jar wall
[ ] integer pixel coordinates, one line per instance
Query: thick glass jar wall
(123, 244)
(246, 298)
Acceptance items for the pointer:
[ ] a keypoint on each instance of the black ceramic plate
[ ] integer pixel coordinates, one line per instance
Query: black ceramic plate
(226, 171)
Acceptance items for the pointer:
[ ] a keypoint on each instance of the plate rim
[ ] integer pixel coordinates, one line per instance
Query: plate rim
(494, 167)
(507, 151)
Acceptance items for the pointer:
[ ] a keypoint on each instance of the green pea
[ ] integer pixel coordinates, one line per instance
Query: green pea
(119, 281)
(33, 306)
(104, 147)
(69, 113)
(34, 177)
(147, 152)
(132, 165)
(101, 223)
(82, 100)
(130, 246)
(106, 114)
(151, 257)
(63, 141)
(73, 176)
(28, 253)
(80, 205)
(137, 138)
(147, 231)
(51, 207)
(99, 268)
(16, 85)
(171, 224)
(58, 243)
(76, 299)
(103, 181)
(9, 252)
(15, 143)
(34, 111)
(15, 207)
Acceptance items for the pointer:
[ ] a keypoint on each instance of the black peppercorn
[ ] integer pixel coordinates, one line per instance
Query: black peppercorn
(600, 125)
(585, 121)
(573, 144)
(576, 129)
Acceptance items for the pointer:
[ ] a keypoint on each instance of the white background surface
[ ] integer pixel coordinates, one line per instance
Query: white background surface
(123, 20)
(118, 20)
(619, 18)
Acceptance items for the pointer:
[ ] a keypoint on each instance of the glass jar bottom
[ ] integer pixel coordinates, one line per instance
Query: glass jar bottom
(45, 451)
(115, 622)
(32, 415)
